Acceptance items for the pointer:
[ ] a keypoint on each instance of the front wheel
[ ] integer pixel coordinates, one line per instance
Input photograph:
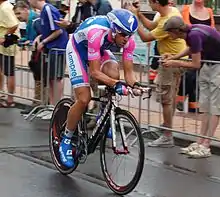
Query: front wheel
(57, 125)
(128, 145)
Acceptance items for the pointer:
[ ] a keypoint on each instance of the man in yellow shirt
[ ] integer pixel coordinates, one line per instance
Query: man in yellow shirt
(8, 25)
(167, 80)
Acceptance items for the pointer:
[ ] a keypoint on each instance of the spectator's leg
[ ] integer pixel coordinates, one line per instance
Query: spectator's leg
(167, 104)
(209, 122)
(204, 100)
(36, 70)
(1, 74)
(193, 103)
(56, 91)
(57, 70)
(182, 92)
(213, 94)
(9, 70)
(37, 92)
(165, 96)
(1, 80)
(177, 81)
(44, 80)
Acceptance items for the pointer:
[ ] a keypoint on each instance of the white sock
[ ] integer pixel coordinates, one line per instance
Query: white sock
(68, 133)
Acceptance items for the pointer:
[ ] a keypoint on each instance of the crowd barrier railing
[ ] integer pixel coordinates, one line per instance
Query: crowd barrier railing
(148, 113)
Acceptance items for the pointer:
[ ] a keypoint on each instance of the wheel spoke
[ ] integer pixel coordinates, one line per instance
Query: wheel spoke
(122, 172)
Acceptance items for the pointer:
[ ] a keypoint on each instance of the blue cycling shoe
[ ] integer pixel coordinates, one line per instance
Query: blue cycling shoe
(66, 152)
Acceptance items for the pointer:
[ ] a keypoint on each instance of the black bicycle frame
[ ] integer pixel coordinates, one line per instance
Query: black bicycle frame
(102, 125)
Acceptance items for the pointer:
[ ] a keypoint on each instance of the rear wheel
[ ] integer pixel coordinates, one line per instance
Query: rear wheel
(130, 146)
(57, 125)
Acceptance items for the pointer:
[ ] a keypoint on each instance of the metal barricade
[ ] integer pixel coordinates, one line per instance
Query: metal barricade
(184, 122)
(19, 81)
(53, 78)
(30, 68)
(147, 113)
(137, 106)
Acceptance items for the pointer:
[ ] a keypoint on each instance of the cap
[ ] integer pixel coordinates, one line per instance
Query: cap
(175, 22)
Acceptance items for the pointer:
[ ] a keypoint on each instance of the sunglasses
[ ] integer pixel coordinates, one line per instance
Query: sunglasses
(123, 34)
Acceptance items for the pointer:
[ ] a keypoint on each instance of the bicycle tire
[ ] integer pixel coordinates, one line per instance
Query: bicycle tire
(54, 129)
(134, 181)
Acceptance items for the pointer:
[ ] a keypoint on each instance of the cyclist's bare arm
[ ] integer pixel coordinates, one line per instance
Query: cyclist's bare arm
(128, 72)
(94, 68)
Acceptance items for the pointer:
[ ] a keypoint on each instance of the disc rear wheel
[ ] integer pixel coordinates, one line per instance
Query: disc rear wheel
(57, 125)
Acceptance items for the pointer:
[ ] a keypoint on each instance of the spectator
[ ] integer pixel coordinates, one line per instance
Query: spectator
(84, 10)
(8, 25)
(167, 79)
(33, 28)
(155, 63)
(203, 44)
(102, 7)
(195, 13)
(52, 37)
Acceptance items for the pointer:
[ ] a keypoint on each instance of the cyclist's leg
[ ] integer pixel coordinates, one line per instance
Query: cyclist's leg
(110, 67)
(80, 83)
(82, 99)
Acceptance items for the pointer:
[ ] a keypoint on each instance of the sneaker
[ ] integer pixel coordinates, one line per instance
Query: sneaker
(47, 116)
(200, 152)
(43, 113)
(162, 141)
(190, 148)
(66, 152)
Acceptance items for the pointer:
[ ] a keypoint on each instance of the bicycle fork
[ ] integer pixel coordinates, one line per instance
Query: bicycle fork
(124, 149)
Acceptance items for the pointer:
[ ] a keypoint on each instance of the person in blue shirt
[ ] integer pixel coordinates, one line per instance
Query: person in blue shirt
(33, 28)
(52, 36)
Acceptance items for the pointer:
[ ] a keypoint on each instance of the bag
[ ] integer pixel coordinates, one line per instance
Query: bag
(10, 39)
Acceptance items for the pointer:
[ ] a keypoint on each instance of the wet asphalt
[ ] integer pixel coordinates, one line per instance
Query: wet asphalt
(26, 168)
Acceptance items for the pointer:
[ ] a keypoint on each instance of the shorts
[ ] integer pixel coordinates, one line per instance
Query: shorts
(56, 63)
(78, 66)
(166, 94)
(7, 65)
(209, 85)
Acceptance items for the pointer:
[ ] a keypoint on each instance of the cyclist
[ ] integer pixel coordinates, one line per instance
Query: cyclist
(87, 54)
